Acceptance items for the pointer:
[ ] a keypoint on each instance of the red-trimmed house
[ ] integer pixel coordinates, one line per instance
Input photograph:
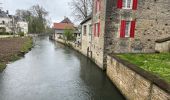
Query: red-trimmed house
(59, 29)
(128, 26)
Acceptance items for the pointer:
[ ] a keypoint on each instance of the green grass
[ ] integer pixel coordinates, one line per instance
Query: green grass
(158, 64)
(27, 45)
(2, 66)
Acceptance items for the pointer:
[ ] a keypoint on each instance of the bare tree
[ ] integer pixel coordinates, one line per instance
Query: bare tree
(37, 18)
(81, 8)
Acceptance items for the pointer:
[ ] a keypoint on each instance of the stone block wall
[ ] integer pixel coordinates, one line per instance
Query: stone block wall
(152, 23)
(97, 45)
(135, 83)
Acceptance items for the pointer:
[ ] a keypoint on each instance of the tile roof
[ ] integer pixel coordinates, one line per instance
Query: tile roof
(62, 26)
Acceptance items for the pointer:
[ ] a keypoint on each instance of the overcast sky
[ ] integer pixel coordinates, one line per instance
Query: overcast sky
(57, 8)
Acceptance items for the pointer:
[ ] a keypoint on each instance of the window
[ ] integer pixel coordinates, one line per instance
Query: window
(127, 28)
(90, 29)
(97, 29)
(84, 29)
(127, 4)
(3, 22)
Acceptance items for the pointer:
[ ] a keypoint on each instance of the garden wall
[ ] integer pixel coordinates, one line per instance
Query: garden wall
(134, 82)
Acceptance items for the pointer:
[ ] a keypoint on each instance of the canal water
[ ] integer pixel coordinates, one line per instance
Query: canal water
(51, 71)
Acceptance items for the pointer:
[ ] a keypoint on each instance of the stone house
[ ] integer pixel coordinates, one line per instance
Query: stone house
(86, 27)
(59, 29)
(6, 22)
(12, 24)
(128, 26)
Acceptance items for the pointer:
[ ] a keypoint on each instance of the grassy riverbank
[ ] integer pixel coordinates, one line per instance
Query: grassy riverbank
(11, 49)
(158, 64)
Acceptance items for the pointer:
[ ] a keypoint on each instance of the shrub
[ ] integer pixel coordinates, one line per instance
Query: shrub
(5, 33)
(69, 35)
(21, 34)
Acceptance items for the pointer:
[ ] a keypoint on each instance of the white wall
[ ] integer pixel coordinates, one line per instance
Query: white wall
(22, 26)
(7, 25)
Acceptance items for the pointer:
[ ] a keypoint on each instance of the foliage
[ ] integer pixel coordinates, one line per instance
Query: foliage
(36, 17)
(69, 35)
(5, 33)
(2, 67)
(158, 64)
(81, 8)
(21, 34)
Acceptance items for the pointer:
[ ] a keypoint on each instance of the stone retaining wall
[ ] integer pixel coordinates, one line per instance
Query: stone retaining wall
(135, 83)
(73, 45)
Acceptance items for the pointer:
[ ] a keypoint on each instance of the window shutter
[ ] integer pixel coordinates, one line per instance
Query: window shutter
(132, 29)
(98, 29)
(122, 29)
(119, 4)
(94, 29)
(135, 4)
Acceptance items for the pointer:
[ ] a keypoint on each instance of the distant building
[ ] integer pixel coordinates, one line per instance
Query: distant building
(12, 24)
(59, 29)
(21, 25)
(6, 22)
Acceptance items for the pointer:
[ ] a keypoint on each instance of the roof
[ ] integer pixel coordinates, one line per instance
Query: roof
(86, 19)
(62, 26)
(3, 14)
(66, 20)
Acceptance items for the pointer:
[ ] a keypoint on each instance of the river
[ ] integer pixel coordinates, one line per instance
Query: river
(51, 71)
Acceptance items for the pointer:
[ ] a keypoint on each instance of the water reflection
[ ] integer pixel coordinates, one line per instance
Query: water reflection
(52, 71)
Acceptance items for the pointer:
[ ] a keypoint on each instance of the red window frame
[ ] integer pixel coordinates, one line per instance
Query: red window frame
(123, 28)
(134, 4)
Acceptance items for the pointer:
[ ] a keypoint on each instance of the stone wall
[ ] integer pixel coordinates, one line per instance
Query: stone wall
(86, 38)
(135, 83)
(97, 45)
(152, 23)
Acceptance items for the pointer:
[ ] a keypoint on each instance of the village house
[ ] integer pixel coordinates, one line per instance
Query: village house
(59, 29)
(12, 24)
(86, 27)
(6, 22)
(21, 25)
(127, 26)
